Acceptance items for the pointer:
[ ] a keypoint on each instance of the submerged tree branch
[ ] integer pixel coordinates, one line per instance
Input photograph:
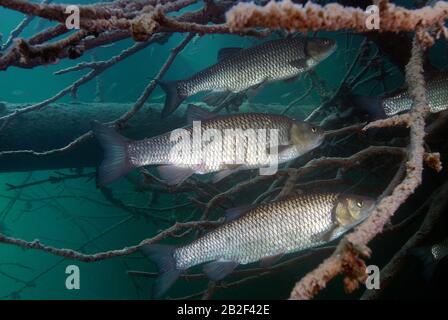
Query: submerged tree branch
(76, 255)
(149, 21)
(333, 16)
(345, 259)
(438, 203)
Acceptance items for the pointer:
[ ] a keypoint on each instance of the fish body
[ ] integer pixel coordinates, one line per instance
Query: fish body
(431, 256)
(400, 101)
(436, 94)
(238, 69)
(440, 250)
(294, 139)
(263, 233)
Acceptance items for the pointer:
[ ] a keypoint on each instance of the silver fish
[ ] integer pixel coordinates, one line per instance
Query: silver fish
(401, 101)
(440, 250)
(238, 69)
(432, 256)
(264, 233)
(436, 94)
(122, 155)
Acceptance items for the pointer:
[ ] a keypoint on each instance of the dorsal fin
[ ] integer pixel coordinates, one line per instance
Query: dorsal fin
(234, 213)
(228, 52)
(195, 113)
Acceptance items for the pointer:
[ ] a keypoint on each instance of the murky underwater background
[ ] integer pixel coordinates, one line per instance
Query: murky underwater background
(75, 214)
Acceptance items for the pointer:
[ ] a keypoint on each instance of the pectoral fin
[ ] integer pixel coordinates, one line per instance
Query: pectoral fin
(326, 235)
(195, 113)
(218, 270)
(215, 98)
(284, 148)
(299, 64)
(280, 149)
(271, 260)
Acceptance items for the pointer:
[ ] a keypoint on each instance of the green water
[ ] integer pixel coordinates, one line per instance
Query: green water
(76, 215)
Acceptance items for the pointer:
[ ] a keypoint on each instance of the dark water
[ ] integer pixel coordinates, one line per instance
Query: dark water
(76, 214)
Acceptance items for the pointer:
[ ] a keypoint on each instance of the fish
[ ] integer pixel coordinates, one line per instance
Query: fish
(432, 256)
(264, 233)
(400, 101)
(238, 69)
(295, 138)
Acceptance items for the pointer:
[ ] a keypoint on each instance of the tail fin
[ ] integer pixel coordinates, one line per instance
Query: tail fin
(370, 105)
(173, 98)
(163, 256)
(116, 162)
(427, 259)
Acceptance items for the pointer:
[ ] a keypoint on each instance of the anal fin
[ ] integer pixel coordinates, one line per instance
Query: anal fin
(218, 270)
(173, 174)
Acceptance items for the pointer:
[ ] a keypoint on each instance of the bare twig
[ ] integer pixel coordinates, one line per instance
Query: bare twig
(345, 259)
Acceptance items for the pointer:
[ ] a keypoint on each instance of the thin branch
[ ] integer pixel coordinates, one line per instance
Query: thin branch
(333, 17)
(76, 255)
(346, 257)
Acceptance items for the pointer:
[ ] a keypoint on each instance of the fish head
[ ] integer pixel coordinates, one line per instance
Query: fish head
(320, 48)
(305, 136)
(440, 250)
(352, 209)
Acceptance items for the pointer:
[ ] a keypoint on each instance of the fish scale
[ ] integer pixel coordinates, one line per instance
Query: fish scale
(157, 150)
(279, 227)
(440, 250)
(240, 69)
(222, 144)
(264, 233)
(436, 95)
(258, 65)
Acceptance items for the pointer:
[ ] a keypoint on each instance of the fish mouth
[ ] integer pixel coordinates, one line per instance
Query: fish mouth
(351, 226)
(367, 211)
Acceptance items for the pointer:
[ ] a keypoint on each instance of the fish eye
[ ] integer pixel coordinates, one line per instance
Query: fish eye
(313, 130)
(359, 203)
